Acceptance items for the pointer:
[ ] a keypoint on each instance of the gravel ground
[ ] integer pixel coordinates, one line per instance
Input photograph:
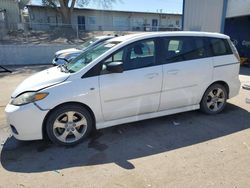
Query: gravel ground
(183, 150)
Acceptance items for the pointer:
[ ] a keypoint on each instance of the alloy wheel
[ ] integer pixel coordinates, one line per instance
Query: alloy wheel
(216, 99)
(70, 126)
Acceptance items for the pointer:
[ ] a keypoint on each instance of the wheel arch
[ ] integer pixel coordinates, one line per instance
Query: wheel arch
(44, 132)
(223, 83)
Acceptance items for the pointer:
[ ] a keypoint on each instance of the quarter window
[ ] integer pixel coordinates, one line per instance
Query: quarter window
(117, 56)
(220, 47)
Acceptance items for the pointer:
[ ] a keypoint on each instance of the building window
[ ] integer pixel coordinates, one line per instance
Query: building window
(120, 22)
(92, 20)
(138, 21)
(52, 20)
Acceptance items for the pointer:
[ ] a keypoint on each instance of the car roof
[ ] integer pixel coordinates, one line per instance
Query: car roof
(172, 33)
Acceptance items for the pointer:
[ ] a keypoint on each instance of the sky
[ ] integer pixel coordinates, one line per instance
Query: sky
(167, 6)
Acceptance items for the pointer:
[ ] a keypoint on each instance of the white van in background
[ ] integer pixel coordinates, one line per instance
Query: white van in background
(126, 79)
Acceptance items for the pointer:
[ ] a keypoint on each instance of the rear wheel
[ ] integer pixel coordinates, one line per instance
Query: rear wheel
(214, 99)
(69, 124)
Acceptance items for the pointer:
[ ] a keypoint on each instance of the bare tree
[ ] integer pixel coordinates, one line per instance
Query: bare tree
(66, 7)
(23, 3)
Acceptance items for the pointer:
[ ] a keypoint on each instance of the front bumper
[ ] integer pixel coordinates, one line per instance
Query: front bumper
(27, 121)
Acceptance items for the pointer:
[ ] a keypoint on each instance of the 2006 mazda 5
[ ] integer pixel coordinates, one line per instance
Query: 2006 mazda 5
(126, 79)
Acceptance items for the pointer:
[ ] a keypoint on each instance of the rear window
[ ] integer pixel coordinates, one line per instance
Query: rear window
(219, 47)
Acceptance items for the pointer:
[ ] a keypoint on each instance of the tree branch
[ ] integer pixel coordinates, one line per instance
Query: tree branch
(73, 2)
(50, 3)
(62, 3)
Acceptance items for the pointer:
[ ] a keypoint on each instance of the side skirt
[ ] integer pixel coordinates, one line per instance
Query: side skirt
(101, 125)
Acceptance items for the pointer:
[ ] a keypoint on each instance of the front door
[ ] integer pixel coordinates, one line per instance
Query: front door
(154, 24)
(135, 91)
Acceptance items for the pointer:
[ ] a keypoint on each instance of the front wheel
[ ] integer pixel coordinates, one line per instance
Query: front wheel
(214, 99)
(69, 124)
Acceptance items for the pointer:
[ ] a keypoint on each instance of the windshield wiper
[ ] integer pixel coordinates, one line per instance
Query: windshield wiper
(63, 68)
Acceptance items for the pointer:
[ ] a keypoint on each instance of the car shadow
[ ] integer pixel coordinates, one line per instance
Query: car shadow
(120, 144)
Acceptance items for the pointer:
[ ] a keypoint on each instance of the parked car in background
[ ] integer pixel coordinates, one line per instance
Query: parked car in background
(126, 79)
(66, 55)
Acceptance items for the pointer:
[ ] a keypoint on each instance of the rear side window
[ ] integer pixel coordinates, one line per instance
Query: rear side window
(183, 49)
(219, 47)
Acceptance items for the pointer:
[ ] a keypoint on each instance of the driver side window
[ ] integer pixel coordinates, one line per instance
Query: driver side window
(134, 56)
(140, 54)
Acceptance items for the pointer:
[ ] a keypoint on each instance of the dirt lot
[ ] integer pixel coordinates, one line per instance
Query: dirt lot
(184, 150)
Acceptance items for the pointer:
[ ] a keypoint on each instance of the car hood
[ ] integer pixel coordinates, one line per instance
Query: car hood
(70, 50)
(41, 80)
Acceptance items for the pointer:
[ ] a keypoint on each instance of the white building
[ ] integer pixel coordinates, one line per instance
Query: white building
(106, 20)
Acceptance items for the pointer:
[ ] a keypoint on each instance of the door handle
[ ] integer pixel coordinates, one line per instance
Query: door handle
(151, 75)
(173, 72)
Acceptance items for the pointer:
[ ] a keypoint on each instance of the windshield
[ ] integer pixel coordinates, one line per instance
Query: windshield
(88, 56)
(88, 43)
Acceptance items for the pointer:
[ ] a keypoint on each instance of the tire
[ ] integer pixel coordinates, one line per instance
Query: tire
(214, 99)
(69, 125)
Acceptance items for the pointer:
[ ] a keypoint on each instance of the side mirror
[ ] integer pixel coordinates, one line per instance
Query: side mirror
(115, 67)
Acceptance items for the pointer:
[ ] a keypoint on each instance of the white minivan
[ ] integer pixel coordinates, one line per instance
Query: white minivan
(126, 79)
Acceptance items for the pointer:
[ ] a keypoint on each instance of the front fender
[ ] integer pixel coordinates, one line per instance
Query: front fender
(85, 91)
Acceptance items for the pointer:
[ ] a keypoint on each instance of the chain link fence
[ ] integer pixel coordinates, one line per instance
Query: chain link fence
(58, 33)
(36, 43)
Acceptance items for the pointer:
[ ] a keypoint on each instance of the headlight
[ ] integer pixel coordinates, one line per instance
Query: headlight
(28, 97)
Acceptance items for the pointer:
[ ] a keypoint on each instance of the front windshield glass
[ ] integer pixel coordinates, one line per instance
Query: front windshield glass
(88, 56)
(88, 43)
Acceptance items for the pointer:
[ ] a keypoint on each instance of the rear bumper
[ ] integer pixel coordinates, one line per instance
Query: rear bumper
(234, 88)
(25, 121)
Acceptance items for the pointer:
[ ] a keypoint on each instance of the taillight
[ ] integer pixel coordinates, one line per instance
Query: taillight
(236, 54)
